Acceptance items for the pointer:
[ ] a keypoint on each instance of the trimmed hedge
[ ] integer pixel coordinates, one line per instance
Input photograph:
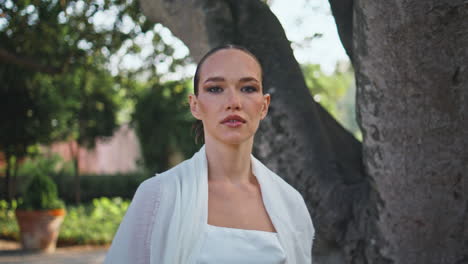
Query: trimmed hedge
(96, 186)
(62, 173)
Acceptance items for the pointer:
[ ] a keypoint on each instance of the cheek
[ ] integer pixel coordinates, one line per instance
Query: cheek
(258, 106)
(208, 109)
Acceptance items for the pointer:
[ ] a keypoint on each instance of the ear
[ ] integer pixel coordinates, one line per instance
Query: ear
(194, 106)
(265, 105)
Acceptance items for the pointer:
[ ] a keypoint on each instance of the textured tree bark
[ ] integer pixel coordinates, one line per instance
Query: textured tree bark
(299, 139)
(410, 59)
(411, 62)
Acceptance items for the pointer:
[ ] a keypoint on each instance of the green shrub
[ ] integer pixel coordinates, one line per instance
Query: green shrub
(95, 186)
(92, 223)
(8, 226)
(36, 190)
(92, 186)
(45, 164)
(41, 194)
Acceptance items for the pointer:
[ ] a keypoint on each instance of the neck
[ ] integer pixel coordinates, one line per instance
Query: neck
(229, 163)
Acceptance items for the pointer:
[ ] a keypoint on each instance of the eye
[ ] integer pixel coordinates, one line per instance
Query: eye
(249, 89)
(214, 89)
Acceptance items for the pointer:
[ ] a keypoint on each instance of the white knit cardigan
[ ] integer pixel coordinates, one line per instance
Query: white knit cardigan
(166, 219)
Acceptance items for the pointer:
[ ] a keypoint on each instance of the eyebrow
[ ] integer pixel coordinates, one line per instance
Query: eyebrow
(214, 79)
(248, 79)
(221, 79)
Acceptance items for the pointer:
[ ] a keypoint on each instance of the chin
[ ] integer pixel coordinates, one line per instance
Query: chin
(234, 139)
(234, 142)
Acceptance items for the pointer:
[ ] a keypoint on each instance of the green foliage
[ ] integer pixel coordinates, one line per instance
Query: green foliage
(335, 92)
(8, 226)
(56, 82)
(164, 124)
(94, 223)
(56, 71)
(53, 86)
(26, 111)
(41, 194)
(90, 106)
(41, 191)
(94, 186)
(63, 34)
(40, 164)
(48, 165)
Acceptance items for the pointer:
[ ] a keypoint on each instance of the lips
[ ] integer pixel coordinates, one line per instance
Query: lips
(233, 119)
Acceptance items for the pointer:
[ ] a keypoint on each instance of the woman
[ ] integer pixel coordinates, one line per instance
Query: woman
(222, 205)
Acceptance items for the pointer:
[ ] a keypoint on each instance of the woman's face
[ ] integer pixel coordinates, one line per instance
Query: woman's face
(230, 99)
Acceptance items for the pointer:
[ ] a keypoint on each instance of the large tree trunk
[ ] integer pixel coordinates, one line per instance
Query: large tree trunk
(299, 139)
(411, 62)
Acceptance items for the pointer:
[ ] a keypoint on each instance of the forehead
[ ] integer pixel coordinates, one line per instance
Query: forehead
(230, 63)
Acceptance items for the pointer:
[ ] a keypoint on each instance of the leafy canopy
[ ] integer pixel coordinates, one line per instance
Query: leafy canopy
(55, 62)
(163, 124)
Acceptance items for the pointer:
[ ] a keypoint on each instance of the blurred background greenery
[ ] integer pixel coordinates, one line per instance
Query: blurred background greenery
(77, 71)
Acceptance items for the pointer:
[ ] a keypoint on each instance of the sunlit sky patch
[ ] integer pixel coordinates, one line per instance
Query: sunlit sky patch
(304, 18)
(301, 19)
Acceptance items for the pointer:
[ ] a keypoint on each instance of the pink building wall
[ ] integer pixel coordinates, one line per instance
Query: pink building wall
(117, 154)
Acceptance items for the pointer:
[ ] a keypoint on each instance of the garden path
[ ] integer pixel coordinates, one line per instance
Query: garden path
(10, 252)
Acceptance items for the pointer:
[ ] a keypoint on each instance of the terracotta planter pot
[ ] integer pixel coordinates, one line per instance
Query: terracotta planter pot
(39, 229)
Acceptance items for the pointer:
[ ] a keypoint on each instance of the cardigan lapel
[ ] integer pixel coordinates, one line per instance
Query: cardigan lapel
(189, 221)
(277, 210)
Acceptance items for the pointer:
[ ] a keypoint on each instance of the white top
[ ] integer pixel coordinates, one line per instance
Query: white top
(231, 245)
(166, 221)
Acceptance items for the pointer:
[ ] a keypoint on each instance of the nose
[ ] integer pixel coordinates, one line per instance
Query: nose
(233, 101)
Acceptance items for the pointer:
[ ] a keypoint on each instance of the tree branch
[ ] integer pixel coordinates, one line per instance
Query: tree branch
(343, 13)
(8, 57)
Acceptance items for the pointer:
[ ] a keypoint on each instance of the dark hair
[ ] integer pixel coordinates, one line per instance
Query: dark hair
(198, 125)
